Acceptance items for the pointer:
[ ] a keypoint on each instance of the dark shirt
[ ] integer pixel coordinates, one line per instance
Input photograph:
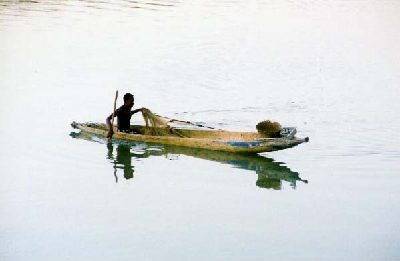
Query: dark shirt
(123, 115)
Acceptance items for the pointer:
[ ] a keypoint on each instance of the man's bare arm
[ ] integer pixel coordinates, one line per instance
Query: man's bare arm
(136, 111)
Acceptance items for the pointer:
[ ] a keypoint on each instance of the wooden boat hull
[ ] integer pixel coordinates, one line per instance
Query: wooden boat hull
(217, 140)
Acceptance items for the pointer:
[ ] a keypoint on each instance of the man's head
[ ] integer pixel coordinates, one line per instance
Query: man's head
(129, 99)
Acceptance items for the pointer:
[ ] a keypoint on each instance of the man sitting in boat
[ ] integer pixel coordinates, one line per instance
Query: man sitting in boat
(123, 115)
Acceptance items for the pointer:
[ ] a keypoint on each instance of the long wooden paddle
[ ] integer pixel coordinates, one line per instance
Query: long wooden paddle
(112, 118)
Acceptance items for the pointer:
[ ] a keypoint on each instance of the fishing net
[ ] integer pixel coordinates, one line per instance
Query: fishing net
(154, 120)
(162, 126)
(269, 129)
(155, 125)
(159, 125)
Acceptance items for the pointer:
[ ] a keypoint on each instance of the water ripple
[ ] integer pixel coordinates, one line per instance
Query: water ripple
(28, 8)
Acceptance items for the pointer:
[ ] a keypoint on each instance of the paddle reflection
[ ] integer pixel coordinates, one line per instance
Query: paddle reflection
(270, 174)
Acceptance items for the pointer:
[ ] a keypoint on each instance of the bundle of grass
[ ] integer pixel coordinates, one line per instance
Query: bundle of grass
(269, 129)
(157, 124)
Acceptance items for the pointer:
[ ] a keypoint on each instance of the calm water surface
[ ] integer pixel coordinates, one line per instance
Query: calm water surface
(330, 68)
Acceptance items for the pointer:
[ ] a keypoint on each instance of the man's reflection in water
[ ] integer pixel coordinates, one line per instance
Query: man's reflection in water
(123, 159)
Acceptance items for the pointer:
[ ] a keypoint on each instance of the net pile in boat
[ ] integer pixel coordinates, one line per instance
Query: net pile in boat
(269, 129)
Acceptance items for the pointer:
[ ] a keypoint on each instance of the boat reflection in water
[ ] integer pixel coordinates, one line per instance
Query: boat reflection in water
(270, 174)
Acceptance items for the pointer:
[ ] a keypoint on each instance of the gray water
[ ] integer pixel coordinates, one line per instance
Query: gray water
(330, 68)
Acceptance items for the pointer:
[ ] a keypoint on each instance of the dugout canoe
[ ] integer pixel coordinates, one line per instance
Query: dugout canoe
(217, 140)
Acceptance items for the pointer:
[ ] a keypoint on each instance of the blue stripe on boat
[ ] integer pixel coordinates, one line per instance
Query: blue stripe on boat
(244, 143)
